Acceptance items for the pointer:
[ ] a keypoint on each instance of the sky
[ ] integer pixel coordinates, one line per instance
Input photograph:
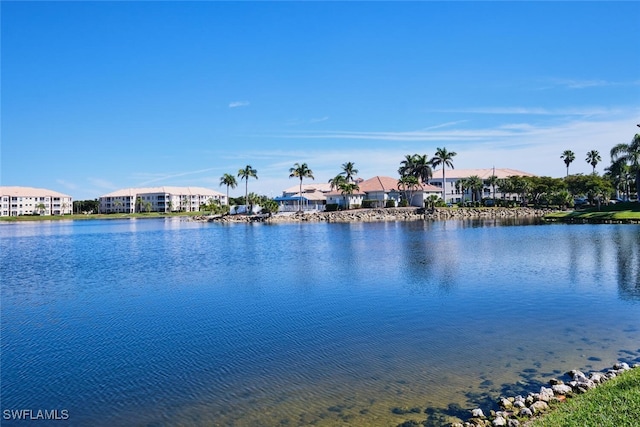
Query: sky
(100, 96)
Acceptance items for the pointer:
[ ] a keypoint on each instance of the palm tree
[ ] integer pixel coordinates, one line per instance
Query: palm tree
(117, 204)
(41, 208)
(253, 199)
(568, 156)
(593, 158)
(348, 188)
(408, 184)
(139, 203)
(230, 181)
(492, 181)
(422, 168)
(475, 184)
(629, 154)
(416, 165)
(407, 166)
(461, 185)
(246, 173)
(349, 171)
(337, 181)
(300, 171)
(444, 158)
(506, 186)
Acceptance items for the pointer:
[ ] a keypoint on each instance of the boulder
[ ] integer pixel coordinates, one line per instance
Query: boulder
(561, 389)
(499, 422)
(477, 413)
(539, 406)
(525, 412)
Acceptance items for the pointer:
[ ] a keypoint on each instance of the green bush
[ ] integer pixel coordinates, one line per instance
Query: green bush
(403, 203)
(369, 203)
(355, 206)
(331, 207)
(391, 203)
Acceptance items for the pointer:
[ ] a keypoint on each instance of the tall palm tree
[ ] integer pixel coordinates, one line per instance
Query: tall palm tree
(349, 171)
(407, 166)
(422, 168)
(246, 173)
(593, 158)
(630, 155)
(416, 165)
(444, 158)
(230, 181)
(139, 204)
(568, 156)
(300, 171)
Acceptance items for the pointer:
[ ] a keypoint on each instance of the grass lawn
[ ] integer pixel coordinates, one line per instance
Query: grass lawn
(98, 216)
(615, 403)
(629, 211)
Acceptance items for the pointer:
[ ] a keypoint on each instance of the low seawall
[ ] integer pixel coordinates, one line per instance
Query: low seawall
(384, 214)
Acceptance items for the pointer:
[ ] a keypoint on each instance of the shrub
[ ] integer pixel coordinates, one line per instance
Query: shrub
(331, 207)
(391, 203)
(403, 203)
(369, 203)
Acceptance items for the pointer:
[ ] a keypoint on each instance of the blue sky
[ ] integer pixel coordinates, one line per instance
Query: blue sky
(98, 96)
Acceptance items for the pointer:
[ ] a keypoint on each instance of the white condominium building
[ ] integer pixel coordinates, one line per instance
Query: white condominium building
(29, 201)
(159, 199)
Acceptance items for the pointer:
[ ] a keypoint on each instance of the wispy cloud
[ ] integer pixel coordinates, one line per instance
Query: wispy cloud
(164, 177)
(236, 104)
(67, 184)
(587, 83)
(102, 183)
(535, 111)
(318, 120)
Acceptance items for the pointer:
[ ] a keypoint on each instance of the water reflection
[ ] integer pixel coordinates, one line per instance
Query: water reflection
(256, 324)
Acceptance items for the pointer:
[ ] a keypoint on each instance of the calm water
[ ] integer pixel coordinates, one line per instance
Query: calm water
(166, 322)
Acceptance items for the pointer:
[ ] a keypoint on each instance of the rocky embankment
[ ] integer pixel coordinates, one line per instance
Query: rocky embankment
(516, 410)
(384, 214)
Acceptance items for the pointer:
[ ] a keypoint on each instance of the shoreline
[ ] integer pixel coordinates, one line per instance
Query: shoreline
(384, 214)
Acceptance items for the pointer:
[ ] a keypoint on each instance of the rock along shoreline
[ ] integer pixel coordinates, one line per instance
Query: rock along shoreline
(383, 214)
(516, 411)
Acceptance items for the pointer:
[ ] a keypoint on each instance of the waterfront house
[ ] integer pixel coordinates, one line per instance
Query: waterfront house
(313, 197)
(452, 176)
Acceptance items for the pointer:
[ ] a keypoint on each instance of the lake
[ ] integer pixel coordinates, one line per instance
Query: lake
(169, 322)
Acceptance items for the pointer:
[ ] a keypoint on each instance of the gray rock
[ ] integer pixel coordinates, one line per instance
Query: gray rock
(621, 366)
(598, 377)
(539, 406)
(499, 422)
(477, 413)
(506, 403)
(562, 389)
(513, 423)
(525, 412)
(546, 394)
(577, 375)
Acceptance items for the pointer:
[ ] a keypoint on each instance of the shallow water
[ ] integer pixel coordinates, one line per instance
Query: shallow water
(165, 322)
